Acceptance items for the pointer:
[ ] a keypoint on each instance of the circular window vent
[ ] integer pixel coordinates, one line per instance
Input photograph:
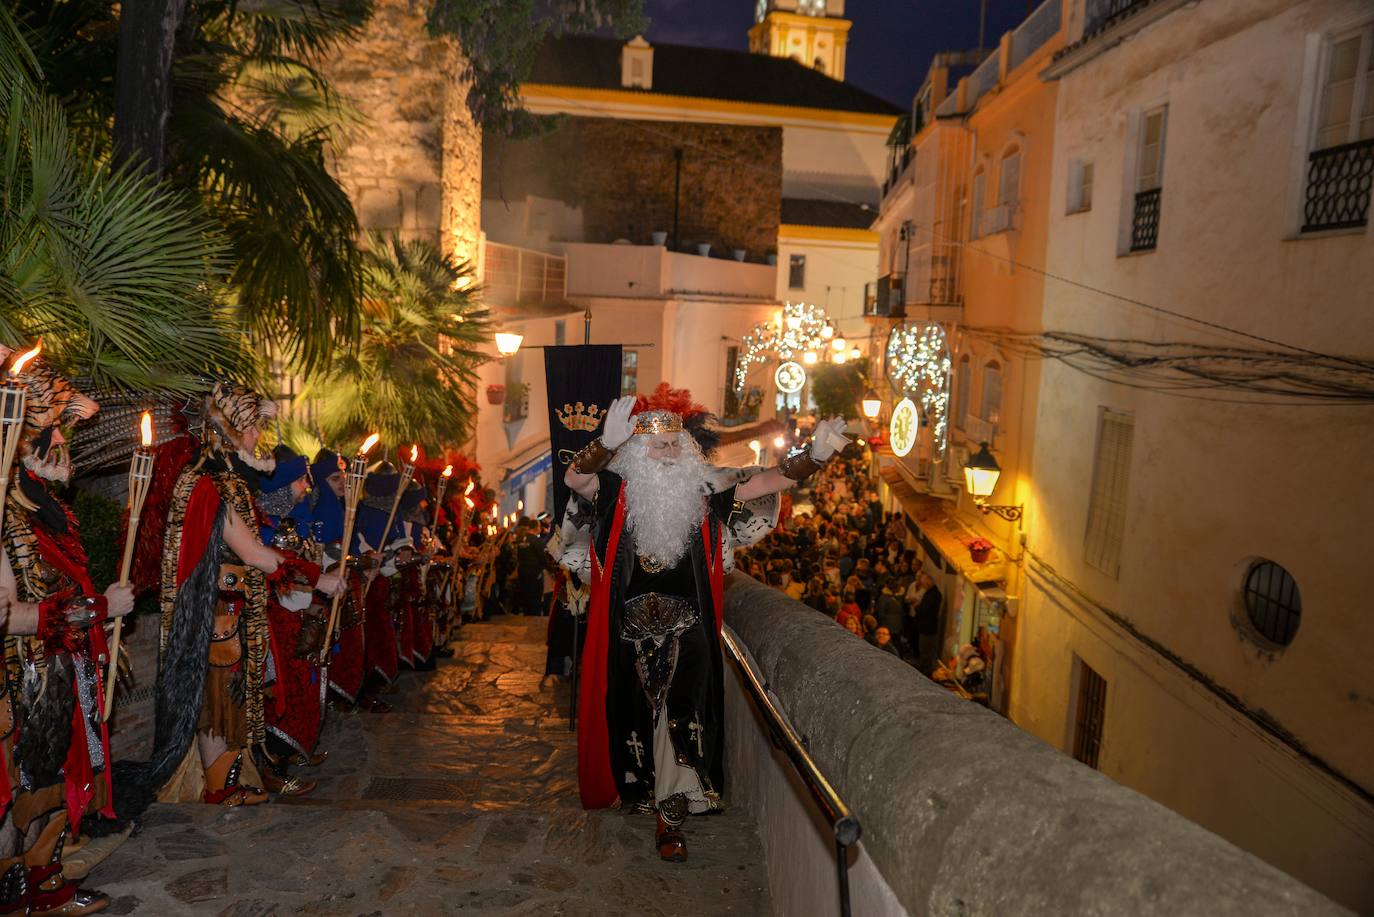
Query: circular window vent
(1273, 602)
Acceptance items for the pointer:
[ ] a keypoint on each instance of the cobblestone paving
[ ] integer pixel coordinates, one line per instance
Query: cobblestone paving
(463, 799)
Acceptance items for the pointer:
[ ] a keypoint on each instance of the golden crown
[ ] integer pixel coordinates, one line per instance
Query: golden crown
(657, 422)
(580, 416)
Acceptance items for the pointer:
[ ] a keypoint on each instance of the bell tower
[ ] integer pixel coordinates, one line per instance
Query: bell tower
(811, 32)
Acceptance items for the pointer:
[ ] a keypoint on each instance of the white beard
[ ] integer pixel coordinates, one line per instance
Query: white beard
(665, 501)
(58, 467)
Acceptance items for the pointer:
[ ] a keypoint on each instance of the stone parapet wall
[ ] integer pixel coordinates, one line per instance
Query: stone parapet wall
(963, 813)
(620, 173)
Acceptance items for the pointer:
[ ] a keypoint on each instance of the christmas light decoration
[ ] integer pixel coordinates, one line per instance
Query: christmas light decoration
(789, 377)
(918, 366)
(793, 331)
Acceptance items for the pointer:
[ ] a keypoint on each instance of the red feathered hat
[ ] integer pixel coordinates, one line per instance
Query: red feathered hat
(679, 401)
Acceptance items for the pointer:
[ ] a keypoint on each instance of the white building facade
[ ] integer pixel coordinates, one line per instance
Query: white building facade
(1193, 624)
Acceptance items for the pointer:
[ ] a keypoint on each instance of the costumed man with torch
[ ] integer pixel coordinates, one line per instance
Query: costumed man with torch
(296, 619)
(665, 523)
(322, 515)
(214, 634)
(386, 494)
(58, 768)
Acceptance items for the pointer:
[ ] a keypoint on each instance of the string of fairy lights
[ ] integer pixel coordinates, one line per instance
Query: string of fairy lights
(798, 329)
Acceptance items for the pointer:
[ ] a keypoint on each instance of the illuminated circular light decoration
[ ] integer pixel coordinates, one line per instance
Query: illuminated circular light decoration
(901, 432)
(793, 330)
(918, 365)
(790, 377)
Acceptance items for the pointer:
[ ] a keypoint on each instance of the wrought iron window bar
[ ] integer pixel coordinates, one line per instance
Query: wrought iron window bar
(1145, 220)
(1339, 179)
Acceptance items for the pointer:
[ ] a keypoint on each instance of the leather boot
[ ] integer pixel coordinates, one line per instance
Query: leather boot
(14, 889)
(222, 785)
(668, 836)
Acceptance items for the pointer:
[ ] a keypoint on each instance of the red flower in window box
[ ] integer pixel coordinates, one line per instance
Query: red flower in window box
(496, 394)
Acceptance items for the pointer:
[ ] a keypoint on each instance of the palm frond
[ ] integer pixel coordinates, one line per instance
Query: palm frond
(413, 375)
(116, 274)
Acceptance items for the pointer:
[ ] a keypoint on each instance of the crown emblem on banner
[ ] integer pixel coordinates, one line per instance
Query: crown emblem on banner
(580, 416)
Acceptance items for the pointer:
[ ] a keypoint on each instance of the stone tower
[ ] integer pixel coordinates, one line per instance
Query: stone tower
(811, 32)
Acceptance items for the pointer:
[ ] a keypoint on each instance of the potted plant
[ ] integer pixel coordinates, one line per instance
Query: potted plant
(704, 249)
(739, 254)
(660, 238)
(979, 549)
(496, 394)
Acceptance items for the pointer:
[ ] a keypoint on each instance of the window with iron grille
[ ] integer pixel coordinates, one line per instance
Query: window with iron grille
(1340, 167)
(1149, 182)
(629, 372)
(1273, 602)
(1090, 714)
(1110, 489)
(1009, 177)
(796, 272)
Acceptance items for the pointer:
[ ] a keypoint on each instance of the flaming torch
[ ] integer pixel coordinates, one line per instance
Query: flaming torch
(12, 397)
(140, 479)
(353, 492)
(439, 491)
(407, 472)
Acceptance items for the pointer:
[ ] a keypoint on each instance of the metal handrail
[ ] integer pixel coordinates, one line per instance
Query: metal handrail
(843, 823)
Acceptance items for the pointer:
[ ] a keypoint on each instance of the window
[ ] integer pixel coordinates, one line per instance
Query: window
(731, 400)
(1110, 487)
(629, 372)
(1149, 182)
(517, 403)
(1347, 99)
(992, 393)
(1273, 602)
(1151, 171)
(796, 272)
(1009, 178)
(1340, 167)
(979, 181)
(560, 333)
(964, 382)
(1090, 714)
(1080, 186)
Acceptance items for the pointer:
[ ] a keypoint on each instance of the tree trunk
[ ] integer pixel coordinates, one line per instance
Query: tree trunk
(143, 79)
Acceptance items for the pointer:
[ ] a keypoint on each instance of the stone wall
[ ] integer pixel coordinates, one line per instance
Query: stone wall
(620, 173)
(962, 812)
(411, 164)
(131, 724)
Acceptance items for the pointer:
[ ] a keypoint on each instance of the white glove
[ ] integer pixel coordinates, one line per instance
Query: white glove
(618, 427)
(828, 438)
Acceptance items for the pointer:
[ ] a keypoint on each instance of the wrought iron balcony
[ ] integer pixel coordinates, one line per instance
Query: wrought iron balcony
(1100, 12)
(1339, 179)
(1145, 220)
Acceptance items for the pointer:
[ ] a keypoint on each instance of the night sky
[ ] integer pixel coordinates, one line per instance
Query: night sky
(890, 44)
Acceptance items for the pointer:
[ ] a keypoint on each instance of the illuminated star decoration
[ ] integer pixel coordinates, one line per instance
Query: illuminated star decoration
(799, 327)
(918, 365)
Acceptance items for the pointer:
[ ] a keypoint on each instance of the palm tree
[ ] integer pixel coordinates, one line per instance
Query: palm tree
(251, 119)
(413, 376)
(116, 276)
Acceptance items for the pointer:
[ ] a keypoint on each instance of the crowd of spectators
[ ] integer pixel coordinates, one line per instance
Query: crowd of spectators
(847, 559)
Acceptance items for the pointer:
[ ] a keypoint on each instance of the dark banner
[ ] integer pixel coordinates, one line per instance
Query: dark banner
(583, 380)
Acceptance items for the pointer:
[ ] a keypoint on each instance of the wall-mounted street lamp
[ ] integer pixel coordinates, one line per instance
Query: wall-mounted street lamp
(508, 343)
(980, 480)
(872, 404)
